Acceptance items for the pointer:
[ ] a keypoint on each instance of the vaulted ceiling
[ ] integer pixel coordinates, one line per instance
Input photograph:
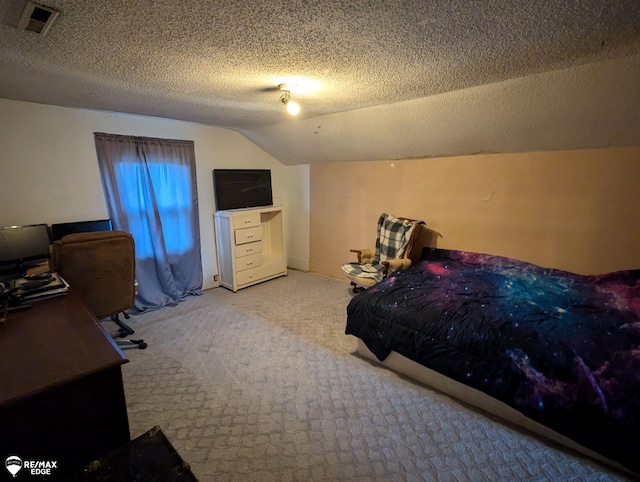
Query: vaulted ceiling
(219, 62)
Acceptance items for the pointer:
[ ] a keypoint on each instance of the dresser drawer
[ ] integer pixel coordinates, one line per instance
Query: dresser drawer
(248, 262)
(247, 249)
(248, 235)
(246, 220)
(250, 275)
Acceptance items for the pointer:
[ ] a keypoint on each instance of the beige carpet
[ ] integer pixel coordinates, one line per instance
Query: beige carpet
(263, 385)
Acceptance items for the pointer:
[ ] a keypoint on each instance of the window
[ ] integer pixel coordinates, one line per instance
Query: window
(151, 192)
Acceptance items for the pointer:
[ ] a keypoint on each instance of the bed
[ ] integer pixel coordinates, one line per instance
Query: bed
(555, 352)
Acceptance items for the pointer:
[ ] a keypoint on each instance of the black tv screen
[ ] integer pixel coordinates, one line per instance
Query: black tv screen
(60, 230)
(20, 244)
(242, 188)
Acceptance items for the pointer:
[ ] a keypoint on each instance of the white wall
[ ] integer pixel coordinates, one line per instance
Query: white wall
(297, 228)
(49, 170)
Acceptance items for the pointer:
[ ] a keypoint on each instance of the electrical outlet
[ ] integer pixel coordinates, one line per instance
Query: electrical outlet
(215, 278)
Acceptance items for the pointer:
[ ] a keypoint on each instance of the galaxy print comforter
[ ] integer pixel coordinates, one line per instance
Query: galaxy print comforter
(562, 348)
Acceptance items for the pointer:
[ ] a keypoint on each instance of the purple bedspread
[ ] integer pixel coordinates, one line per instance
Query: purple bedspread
(562, 348)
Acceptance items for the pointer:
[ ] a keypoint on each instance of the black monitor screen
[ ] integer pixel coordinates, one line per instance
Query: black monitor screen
(62, 229)
(242, 188)
(23, 243)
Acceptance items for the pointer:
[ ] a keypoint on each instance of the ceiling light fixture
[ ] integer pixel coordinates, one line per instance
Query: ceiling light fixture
(293, 107)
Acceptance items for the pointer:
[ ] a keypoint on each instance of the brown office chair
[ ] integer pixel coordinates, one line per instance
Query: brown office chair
(100, 269)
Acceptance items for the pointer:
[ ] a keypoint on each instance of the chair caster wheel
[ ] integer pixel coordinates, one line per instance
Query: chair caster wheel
(142, 346)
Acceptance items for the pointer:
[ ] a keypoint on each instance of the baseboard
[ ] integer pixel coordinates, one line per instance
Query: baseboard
(299, 264)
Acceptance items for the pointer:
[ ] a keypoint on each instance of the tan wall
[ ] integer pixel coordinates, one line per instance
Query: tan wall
(572, 210)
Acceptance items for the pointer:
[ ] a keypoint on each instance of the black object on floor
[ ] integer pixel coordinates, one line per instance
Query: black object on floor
(148, 458)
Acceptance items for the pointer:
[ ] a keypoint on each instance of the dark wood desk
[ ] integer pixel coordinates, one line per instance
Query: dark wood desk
(61, 392)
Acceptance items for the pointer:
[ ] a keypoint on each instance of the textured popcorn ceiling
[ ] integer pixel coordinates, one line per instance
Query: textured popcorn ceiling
(218, 62)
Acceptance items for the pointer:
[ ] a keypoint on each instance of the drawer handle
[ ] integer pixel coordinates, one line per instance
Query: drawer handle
(250, 236)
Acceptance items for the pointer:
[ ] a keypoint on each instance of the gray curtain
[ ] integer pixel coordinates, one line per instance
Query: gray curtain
(151, 192)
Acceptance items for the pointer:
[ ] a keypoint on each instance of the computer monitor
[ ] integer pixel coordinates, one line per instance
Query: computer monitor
(23, 246)
(62, 229)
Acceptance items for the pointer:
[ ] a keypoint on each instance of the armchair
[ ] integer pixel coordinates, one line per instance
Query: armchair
(100, 269)
(395, 244)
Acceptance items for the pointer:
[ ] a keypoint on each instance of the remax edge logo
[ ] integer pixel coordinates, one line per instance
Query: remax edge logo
(15, 464)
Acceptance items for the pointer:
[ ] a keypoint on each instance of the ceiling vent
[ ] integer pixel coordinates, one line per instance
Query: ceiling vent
(37, 18)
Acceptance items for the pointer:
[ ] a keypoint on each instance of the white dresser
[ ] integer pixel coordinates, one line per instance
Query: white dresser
(251, 246)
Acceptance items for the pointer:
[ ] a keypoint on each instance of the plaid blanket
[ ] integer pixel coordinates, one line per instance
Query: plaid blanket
(393, 237)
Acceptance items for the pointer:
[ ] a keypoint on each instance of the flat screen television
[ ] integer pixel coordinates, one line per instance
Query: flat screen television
(23, 246)
(60, 230)
(242, 188)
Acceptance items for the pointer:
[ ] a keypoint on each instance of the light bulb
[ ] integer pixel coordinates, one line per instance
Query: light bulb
(293, 108)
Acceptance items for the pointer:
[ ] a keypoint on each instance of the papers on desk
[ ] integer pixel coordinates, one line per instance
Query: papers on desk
(28, 290)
